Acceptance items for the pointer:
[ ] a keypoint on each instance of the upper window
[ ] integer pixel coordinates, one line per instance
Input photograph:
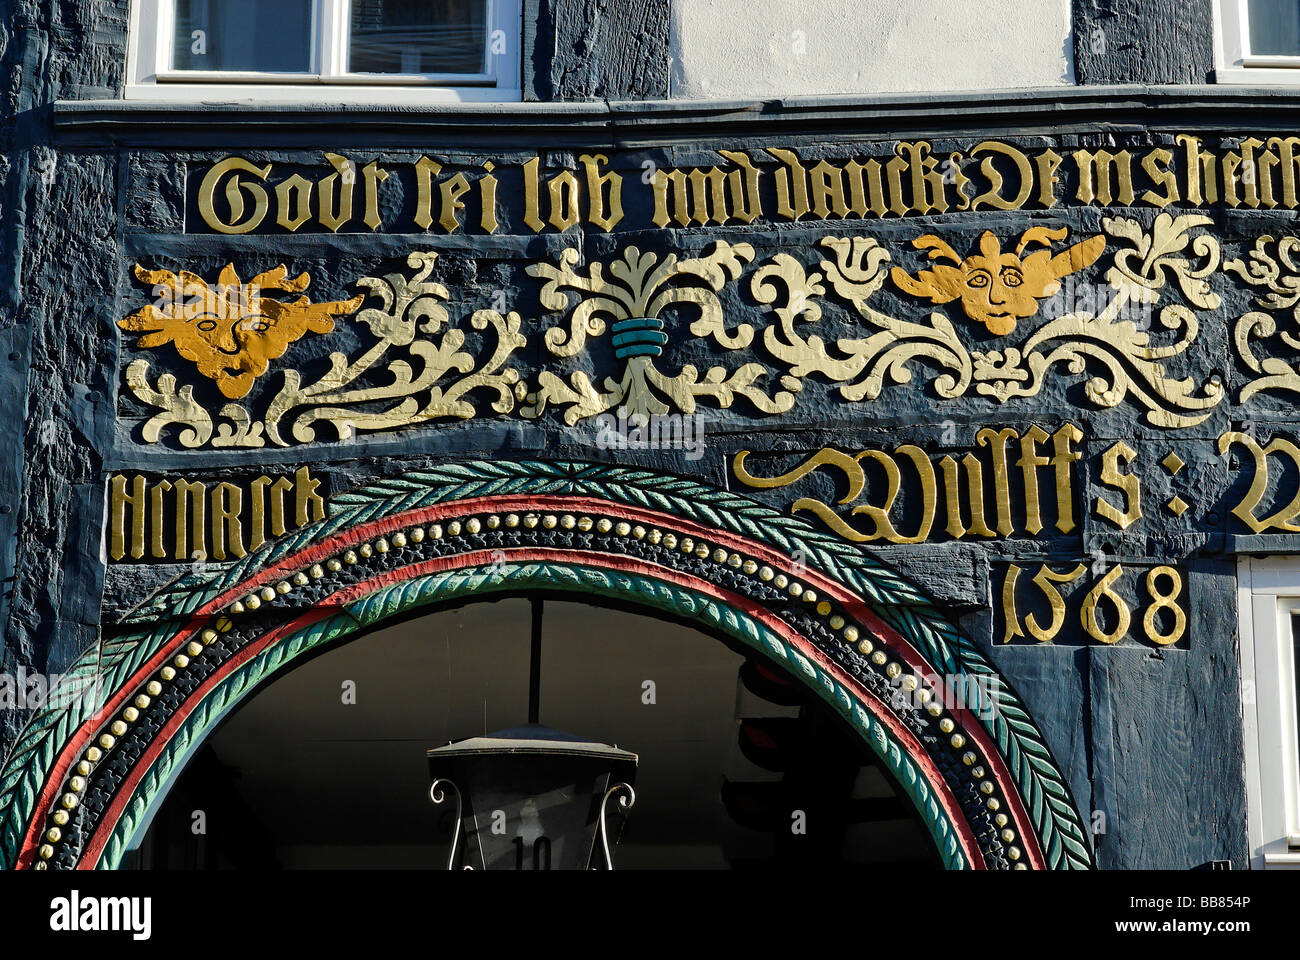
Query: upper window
(325, 50)
(1257, 41)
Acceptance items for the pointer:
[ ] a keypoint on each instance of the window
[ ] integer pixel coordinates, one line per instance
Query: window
(389, 51)
(1269, 604)
(1257, 41)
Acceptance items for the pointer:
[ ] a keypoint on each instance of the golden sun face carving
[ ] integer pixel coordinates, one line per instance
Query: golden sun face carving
(997, 288)
(229, 330)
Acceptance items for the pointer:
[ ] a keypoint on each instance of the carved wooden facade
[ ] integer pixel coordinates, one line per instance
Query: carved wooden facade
(989, 397)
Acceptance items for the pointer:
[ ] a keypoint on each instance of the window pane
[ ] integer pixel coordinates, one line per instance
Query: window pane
(1275, 27)
(272, 36)
(418, 36)
(1295, 661)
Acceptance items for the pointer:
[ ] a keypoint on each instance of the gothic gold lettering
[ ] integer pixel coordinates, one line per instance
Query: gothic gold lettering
(234, 191)
(1105, 177)
(996, 440)
(1128, 483)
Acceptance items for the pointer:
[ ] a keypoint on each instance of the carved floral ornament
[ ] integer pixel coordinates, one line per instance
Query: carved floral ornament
(425, 366)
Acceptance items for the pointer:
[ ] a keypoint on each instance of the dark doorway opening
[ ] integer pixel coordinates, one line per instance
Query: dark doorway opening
(740, 766)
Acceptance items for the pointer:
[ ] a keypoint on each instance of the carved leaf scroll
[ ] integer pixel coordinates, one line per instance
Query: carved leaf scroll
(421, 367)
(1275, 275)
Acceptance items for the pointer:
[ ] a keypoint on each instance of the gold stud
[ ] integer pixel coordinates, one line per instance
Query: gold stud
(702, 550)
(117, 728)
(83, 768)
(946, 725)
(719, 555)
(1172, 462)
(435, 531)
(823, 608)
(957, 741)
(77, 784)
(181, 661)
(909, 682)
(879, 658)
(350, 557)
(283, 587)
(54, 834)
(208, 635)
(472, 525)
(399, 538)
(317, 571)
(836, 622)
(237, 607)
(585, 524)
(933, 709)
(1013, 853)
(993, 803)
(549, 521)
(453, 528)
(153, 688)
(40, 865)
(893, 671)
(780, 580)
(865, 647)
(252, 602)
(69, 801)
(795, 589)
(850, 632)
(45, 852)
(300, 579)
(61, 817)
(687, 544)
(267, 594)
(131, 714)
(638, 532)
(512, 520)
(531, 520)
(622, 528)
(969, 758)
(93, 754)
(224, 624)
(142, 702)
(568, 521)
(986, 787)
(1008, 836)
(417, 535)
(167, 673)
(1000, 820)
(193, 649)
(749, 567)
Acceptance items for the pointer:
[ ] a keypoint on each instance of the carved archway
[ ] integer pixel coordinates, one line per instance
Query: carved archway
(91, 764)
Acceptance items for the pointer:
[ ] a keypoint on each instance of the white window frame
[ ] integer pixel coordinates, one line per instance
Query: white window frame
(1268, 593)
(150, 77)
(1233, 61)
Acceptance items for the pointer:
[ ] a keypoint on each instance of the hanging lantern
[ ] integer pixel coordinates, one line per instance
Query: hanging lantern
(532, 798)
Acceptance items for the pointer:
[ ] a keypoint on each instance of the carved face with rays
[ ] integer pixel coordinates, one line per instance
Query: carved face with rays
(229, 330)
(997, 288)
